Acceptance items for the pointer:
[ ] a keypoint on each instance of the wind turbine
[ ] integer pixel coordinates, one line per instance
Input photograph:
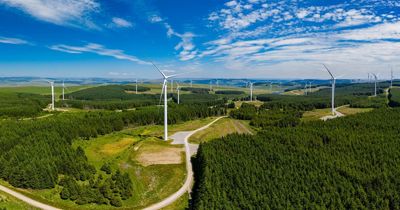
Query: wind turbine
(136, 86)
(164, 90)
(376, 79)
(251, 90)
(191, 83)
(310, 87)
(391, 78)
(210, 85)
(333, 89)
(52, 94)
(178, 90)
(63, 91)
(305, 89)
(172, 85)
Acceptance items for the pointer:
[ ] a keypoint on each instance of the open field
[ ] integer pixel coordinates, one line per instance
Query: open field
(221, 128)
(256, 103)
(181, 204)
(315, 114)
(346, 110)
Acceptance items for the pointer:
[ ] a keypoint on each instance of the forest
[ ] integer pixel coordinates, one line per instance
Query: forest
(17, 105)
(345, 163)
(394, 97)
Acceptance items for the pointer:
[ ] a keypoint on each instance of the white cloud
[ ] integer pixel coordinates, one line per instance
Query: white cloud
(98, 49)
(60, 12)
(122, 23)
(8, 40)
(186, 46)
(155, 19)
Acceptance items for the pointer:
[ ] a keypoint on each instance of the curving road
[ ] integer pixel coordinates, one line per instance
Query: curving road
(182, 138)
(26, 199)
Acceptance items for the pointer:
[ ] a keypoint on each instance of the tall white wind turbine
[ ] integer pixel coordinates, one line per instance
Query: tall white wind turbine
(164, 91)
(52, 94)
(333, 89)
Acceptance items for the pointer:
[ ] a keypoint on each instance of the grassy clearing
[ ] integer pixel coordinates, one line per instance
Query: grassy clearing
(316, 114)
(346, 110)
(221, 128)
(255, 103)
(181, 204)
(10, 203)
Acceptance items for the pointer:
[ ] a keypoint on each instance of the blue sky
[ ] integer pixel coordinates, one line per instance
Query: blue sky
(231, 39)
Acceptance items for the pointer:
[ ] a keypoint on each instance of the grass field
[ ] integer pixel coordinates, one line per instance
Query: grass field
(8, 202)
(181, 204)
(315, 114)
(346, 110)
(255, 103)
(221, 128)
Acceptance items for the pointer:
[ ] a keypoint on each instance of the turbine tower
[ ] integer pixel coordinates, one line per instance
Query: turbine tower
(164, 91)
(52, 94)
(136, 86)
(251, 91)
(63, 91)
(376, 80)
(333, 89)
(178, 90)
(391, 78)
(210, 85)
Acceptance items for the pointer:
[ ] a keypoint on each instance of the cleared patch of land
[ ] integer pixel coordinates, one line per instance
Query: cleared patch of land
(153, 154)
(181, 204)
(220, 129)
(255, 103)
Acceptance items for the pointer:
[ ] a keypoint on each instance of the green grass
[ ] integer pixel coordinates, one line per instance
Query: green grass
(220, 129)
(316, 114)
(346, 110)
(10, 203)
(181, 204)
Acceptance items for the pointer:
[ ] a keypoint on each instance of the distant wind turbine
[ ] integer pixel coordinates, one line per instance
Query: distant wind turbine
(333, 89)
(178, 90)
(391, 78)
(376, 80)
(251, 90)
(136, 86)
(191, 83)
(63, 91)
(210, 85)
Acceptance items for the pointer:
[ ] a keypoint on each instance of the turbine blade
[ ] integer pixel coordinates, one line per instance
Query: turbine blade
(329, 71)
(159, 70)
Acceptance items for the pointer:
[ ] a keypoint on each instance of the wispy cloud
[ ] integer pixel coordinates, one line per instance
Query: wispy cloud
(60, 12)
(100, 50)
(121, 23)
(9, 40)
